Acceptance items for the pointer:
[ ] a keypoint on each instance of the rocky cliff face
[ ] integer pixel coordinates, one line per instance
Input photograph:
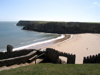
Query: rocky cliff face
(63, 27)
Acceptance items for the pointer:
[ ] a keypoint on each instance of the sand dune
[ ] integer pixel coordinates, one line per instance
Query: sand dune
(81, 45)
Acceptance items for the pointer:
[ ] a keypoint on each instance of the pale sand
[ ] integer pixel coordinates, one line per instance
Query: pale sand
(80, 44)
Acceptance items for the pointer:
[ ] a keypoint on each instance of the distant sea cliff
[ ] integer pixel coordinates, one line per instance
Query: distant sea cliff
(60, 27)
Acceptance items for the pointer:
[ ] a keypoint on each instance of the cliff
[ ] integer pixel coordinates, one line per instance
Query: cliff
(63, 27)
(24, 23)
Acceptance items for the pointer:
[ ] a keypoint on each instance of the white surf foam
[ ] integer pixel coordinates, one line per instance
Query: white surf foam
(42, 42)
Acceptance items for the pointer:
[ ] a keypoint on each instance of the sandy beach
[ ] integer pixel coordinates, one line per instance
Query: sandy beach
(80, 44)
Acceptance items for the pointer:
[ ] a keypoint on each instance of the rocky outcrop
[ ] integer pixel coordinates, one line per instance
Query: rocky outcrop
(61, 27)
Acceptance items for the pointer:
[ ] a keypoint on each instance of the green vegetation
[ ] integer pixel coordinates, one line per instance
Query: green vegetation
(60, 27)
(55, 69)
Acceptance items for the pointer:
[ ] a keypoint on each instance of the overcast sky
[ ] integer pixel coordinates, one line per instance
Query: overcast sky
(50, 10)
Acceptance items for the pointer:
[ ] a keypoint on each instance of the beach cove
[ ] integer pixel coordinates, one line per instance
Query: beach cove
(72, 41)
(84, 40)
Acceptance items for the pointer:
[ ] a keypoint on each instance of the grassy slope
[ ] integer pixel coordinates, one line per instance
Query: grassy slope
(55, 69)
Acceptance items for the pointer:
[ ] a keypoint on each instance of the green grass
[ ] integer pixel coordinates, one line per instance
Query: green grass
(55, 69)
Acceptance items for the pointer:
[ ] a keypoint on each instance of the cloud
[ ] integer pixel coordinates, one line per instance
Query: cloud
(96, 3)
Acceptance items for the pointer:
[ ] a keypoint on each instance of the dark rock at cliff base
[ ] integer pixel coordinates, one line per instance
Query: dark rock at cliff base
(64, 27)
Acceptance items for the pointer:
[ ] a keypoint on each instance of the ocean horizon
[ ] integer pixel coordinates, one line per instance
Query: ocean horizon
(10, 34)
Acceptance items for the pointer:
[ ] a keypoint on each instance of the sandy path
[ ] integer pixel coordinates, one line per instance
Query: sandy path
(81, 45)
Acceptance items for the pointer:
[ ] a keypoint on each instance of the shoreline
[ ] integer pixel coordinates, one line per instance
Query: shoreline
(44, 43)
(60, 42)
(82, 45)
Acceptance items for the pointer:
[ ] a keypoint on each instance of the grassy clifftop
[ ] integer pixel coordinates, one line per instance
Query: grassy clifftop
(62, 27)
(55, 69)
(24, 23)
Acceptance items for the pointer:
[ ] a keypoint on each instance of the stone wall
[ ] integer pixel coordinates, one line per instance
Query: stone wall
(22, 56)
(17, 59)
(53, 55)
(6, 55)
(92, 59)
(70, 57)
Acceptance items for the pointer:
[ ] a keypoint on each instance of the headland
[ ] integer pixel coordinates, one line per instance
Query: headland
(61, 27)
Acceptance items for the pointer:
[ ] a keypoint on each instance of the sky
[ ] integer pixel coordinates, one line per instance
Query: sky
(50, 10)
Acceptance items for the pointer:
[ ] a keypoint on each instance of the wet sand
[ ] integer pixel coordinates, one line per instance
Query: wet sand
(47, 44)
(80, 44)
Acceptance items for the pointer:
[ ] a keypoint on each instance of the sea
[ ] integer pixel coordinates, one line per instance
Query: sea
(11, 34)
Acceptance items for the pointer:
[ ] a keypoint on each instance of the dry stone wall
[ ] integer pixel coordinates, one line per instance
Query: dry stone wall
(53, 55)
(92, 59)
